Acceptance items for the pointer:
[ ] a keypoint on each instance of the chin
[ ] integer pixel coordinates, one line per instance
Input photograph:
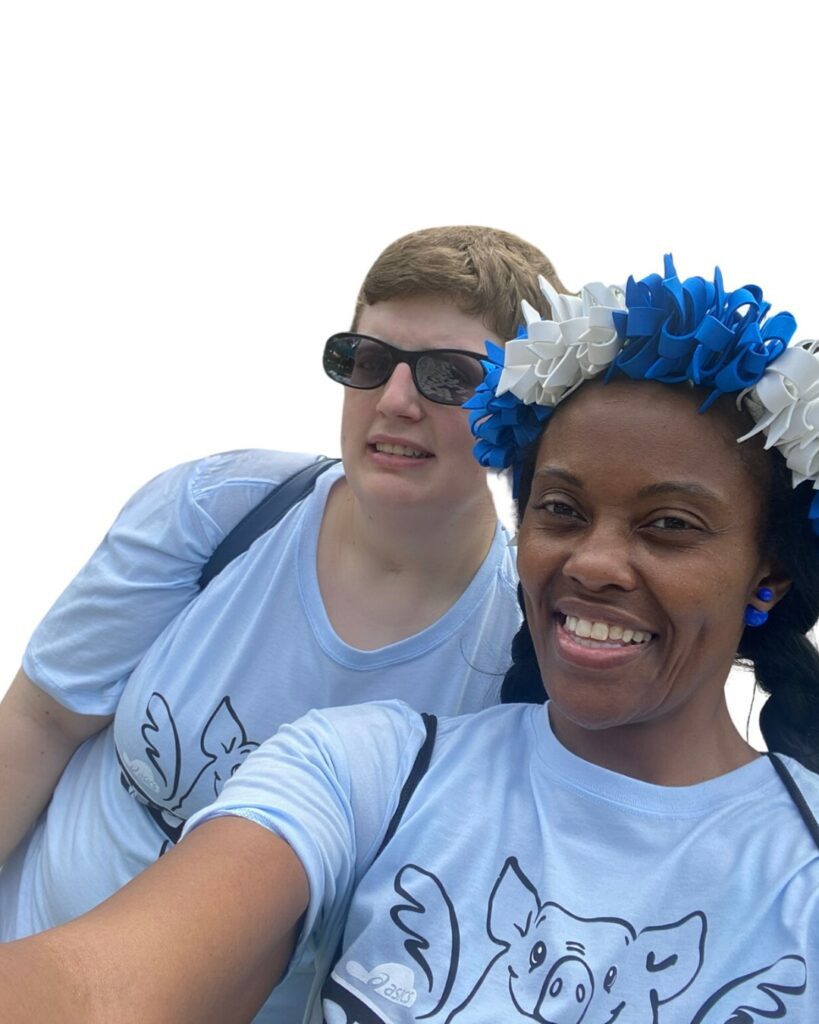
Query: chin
(595, 711)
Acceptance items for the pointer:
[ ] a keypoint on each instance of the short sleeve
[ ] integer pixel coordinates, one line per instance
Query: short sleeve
(142, 575)
(329, 785)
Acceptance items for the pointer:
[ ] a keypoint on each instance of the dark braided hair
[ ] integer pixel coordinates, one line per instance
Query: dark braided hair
(785, 662)
(522, 683)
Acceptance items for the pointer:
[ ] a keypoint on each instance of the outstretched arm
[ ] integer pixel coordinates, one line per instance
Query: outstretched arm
(37, 737)
(203, 935)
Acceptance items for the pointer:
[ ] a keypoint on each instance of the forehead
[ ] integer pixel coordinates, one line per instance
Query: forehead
(424, 321)
(631, 435)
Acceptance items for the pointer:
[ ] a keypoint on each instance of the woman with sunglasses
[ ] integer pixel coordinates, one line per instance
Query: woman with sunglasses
(377, 585)
(621, 854)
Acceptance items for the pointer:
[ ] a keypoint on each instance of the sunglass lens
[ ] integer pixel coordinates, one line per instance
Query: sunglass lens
(373, 364)
(339, 358)
(448, 377)
(357, 362)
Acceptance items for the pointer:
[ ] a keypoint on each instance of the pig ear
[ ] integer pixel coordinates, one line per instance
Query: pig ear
(672, 955)
(512, 905)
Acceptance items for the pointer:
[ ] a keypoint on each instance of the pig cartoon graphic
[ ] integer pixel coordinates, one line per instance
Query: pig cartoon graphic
(555, 967)
(562, 969)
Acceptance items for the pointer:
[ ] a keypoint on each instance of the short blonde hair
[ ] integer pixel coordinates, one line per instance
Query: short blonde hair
(486, 272)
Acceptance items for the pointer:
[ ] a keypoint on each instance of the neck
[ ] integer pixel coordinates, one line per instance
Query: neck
(432, 544)
(388, 574)
(665, 752)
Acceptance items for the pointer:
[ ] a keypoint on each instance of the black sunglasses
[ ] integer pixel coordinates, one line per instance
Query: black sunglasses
(445, 375)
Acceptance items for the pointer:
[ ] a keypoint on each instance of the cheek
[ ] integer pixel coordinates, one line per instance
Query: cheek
(538, 558)
(452, 427)
(707, 603)
(355, 412)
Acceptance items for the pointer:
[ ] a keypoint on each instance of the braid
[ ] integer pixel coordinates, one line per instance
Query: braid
(522, 684)
(785, 662)
(787, 667)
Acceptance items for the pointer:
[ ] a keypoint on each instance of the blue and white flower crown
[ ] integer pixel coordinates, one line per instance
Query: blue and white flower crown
(664, 329)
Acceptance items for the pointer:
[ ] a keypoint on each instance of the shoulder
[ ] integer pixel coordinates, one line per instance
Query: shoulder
(395, 723)
(371, 735)
(490, 729)
(222, 488)
(807, 782)
(256, 470)
(261, 466)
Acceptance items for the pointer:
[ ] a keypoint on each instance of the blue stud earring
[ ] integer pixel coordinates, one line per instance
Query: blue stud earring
(756, 616)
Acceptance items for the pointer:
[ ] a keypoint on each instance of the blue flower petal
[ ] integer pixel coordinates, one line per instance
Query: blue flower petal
(814, 513)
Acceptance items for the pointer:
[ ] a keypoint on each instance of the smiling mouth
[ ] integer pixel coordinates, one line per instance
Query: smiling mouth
(595, 634)
(401, 449)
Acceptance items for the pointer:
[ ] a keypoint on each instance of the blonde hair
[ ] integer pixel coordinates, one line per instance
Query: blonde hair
(486, 273)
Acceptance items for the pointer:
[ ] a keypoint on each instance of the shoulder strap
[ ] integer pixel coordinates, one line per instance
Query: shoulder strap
(797, 796)
(264, 516)
(323, 977)
(416, 773)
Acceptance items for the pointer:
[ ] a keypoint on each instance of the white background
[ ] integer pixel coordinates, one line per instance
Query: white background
(192, 192)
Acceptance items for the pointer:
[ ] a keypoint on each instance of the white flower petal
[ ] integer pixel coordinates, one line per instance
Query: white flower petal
(530, 314)
(785, 406)
(577, 343)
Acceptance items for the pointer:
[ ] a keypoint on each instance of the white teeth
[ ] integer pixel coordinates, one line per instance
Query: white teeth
(602, 631)
(401, 449)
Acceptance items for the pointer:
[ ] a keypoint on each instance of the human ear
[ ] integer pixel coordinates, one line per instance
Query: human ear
(768, 591)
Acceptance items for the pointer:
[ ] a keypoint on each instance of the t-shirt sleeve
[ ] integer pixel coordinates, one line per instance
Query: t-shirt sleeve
(329, 785)
(145, 571)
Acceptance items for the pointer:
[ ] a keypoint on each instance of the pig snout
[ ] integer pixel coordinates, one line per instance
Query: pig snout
(566, 992)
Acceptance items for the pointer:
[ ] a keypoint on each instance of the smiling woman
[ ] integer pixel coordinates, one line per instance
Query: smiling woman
(619, 854)
(636, 563)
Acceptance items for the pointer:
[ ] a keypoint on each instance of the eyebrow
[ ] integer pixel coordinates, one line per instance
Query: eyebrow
(688, 487)
(561, 474)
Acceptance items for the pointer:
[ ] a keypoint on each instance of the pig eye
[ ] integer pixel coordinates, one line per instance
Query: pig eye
(610, 978)
(538, 954)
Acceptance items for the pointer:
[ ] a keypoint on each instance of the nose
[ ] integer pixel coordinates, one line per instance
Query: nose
(566, 993)
(602, 557)
(399, 397)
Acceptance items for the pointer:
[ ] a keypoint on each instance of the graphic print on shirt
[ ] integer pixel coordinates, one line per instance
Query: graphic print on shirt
(548, 965)
(158, 778)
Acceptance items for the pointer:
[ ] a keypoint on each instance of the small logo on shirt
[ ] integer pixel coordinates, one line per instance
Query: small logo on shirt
(140, 772)
(393, 981)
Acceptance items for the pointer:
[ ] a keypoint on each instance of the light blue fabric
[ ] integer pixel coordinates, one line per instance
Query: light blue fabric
(572, 891)
(197, 684)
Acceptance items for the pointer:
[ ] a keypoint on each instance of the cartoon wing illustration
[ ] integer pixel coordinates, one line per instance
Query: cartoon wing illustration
(428, 918)
(162, 745)
(756, 997)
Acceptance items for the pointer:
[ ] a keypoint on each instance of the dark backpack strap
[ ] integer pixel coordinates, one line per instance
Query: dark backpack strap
(796, 795)
(416, 773)
(265, 515)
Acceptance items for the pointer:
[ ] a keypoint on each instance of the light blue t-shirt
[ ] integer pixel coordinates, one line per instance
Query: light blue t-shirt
(574, 895)
(197, 682)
